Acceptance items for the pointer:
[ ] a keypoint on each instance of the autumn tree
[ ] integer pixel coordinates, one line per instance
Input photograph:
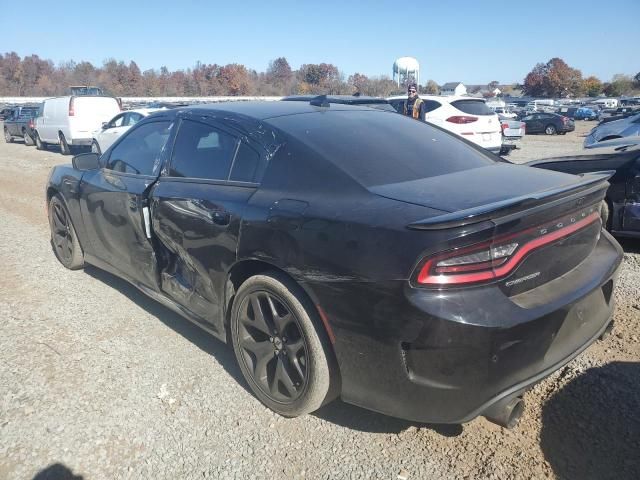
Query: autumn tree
(553, 79)
(431, 88)
(359, 82)
(592, 86)
(279, 72)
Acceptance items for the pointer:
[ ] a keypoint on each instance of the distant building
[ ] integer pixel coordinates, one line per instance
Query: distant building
(453, 88)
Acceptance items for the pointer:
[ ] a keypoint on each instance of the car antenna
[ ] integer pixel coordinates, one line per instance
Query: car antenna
(320, 101)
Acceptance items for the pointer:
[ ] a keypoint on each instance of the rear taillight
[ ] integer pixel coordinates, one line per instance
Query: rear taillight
(565, 120)
(493, 260)
(504, 126)
(523, 126)
(71, 110)
(462, 119)
(31, 124)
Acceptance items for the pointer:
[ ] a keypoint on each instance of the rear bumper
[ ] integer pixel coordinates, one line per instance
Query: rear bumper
(446, 357)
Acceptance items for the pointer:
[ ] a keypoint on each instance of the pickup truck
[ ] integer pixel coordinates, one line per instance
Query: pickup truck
(20, 123)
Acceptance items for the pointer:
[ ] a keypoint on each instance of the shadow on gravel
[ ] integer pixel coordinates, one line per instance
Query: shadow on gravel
(591, 427)
(57, 471)
(357, 418)
(206, 342)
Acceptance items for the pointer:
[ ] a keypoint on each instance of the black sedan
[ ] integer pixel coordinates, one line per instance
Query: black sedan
(549, 123)
(621, 210)
(347, 251)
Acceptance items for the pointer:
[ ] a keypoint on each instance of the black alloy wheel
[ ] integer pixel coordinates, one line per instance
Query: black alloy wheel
(63, 236)
(7, 136)
(280, 345)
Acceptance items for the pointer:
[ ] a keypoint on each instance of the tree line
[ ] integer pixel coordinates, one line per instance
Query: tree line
(556, 79)
(34, 76)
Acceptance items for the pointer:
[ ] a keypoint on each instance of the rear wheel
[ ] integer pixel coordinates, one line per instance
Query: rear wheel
(7, 136)
(550, 129)
(63, 236)
(280, 345)
(28, 141)
(64, 146)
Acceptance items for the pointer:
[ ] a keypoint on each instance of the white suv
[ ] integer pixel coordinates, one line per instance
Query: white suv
(465, 116)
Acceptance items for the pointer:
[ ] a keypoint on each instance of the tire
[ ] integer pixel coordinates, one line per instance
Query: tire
(550, 129)
(64, 146)
(264, 353)
(40, 145)
(95, 147)
(28, 141)
(64, 240)
(7, 136)
(605, 215)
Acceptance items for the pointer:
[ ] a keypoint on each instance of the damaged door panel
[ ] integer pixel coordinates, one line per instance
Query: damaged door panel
(197, 227)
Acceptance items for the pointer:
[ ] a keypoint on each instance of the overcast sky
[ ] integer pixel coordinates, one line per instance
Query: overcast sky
(462, 40)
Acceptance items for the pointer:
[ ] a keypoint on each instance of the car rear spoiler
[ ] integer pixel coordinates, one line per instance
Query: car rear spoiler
(589, 181)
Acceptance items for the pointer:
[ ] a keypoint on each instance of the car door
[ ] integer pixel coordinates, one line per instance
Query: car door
(114, 202)
(197, 207)
(114, 129)
(534, 123)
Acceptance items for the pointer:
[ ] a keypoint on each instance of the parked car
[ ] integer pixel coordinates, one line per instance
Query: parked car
(110, 131)
(20, 123)
(619, 144)
(621, 209)
(612, 115)
(361, 100)
(70, 121)
(549, 123)
(567, 111)
(345, 251)
(467, 117)
(584, 113)
(512, 133)
(625, 127)
(505, 112)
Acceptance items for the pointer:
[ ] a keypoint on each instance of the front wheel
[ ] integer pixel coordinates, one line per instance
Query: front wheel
(63, 235)
(281, 346)
(64, 146)
(550, 130)
(40, 145)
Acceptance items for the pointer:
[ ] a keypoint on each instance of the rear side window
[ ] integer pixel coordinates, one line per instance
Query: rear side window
(472, 107)
(245, 165)
(202, 151)
(431, 105)
(376, 148)
(139, 151)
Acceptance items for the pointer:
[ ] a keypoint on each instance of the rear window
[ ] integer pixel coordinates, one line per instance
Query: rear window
(376, 148)
(472, 107)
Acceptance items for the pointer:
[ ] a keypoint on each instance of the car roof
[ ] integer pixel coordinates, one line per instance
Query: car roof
(439, 98)
(261, 110)
(342, 99)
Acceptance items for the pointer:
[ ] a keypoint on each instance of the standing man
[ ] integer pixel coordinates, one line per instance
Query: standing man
(414, 106)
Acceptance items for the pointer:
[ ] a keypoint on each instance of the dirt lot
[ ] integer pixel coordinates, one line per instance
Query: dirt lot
(97, 380)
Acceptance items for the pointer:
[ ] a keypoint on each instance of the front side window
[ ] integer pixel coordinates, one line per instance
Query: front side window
(132, 118)
(117, 121)
(139, 150)
(202, 151)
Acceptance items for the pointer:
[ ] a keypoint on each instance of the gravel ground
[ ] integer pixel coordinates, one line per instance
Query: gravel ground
(98, 381)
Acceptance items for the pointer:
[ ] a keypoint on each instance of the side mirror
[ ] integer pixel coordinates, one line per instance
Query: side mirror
(86, 161)
(105, 125)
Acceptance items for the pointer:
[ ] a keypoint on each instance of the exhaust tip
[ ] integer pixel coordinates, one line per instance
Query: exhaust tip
(506, 413)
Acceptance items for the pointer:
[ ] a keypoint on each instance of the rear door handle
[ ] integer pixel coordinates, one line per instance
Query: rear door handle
(220, 217)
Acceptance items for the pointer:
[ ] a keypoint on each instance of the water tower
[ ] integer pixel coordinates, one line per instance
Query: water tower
(405, 68)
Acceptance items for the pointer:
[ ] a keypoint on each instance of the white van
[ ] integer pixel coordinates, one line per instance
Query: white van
(70, 121)
(607, 102)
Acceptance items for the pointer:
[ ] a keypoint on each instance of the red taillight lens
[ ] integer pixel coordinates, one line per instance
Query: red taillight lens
(565, 120)
(523, 126)
(71, 109)
(31, 124)
(493, 260)
(504, 126)
(462, 119)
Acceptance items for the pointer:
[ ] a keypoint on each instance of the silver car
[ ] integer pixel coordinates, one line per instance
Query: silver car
(625, 127)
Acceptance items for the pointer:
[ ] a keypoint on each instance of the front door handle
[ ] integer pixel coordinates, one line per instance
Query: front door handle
(220, 217)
